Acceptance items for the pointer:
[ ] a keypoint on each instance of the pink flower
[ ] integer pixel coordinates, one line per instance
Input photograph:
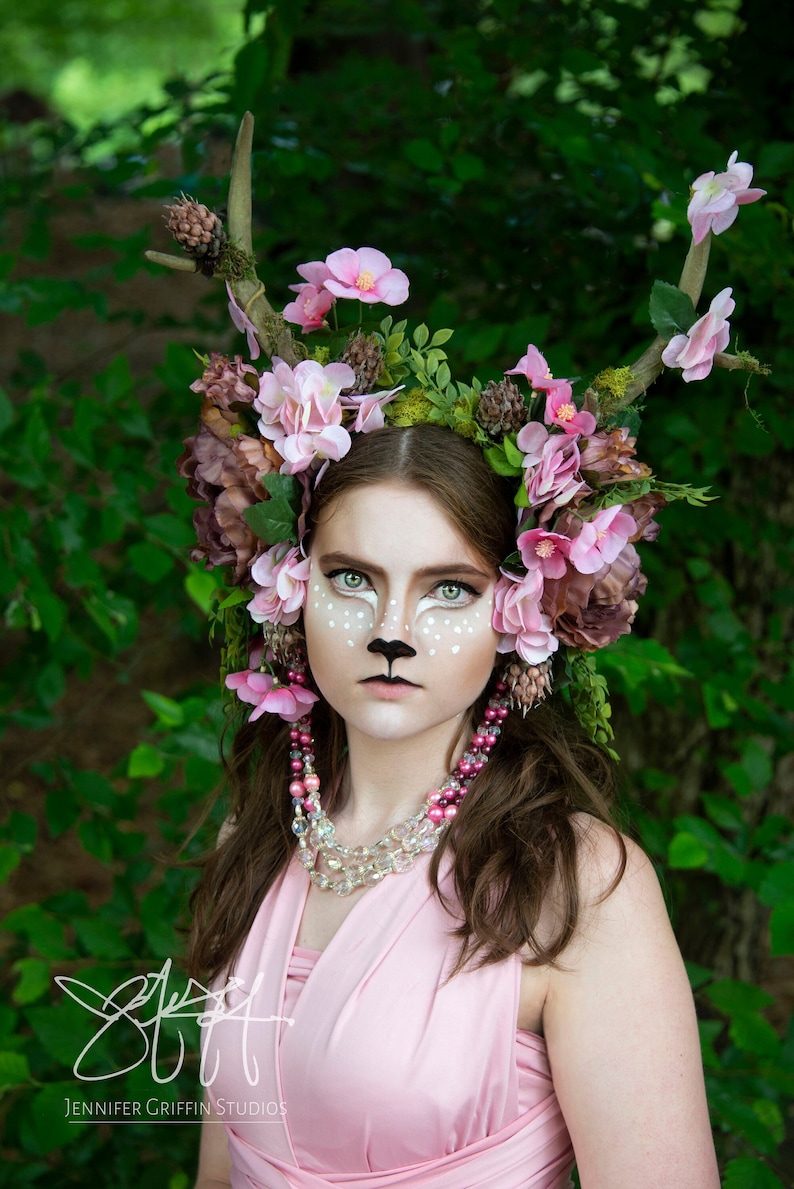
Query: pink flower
(366, 274)
(551, 465)
(309, 307)
(301, 412)
(560, 410)
(716, 198)
(281, 574)
(695, 350)
(533, 365)
(369, 408)
(544, 552)
(243, 324)
(517, 615)
(316, 272)
(601, 539)
(268, 695)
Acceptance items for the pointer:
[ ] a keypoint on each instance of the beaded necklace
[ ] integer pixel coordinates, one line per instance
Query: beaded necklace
(364, 866)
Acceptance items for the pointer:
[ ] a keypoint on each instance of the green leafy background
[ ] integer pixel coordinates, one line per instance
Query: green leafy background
(528, 165)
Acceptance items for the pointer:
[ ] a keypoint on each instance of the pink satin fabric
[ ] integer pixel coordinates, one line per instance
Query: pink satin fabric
(389, 1075)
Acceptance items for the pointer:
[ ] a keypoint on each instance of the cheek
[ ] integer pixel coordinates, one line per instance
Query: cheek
(466, 633)
(335, 622)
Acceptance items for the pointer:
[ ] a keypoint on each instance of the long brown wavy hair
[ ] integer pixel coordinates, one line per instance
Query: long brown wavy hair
(514, 838)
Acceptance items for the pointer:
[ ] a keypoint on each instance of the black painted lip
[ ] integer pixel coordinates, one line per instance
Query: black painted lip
(389, 680)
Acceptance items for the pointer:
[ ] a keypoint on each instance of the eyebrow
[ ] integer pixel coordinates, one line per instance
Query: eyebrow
(459, 569)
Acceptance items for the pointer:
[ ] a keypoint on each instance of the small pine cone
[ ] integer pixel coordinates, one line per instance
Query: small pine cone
(501, 408)
(528, 684)
(286, 643)
(364, 354)
(196, 229)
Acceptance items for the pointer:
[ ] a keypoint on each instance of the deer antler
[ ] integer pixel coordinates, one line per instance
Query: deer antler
(233, 258)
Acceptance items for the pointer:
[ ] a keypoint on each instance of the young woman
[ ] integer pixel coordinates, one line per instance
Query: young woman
(453, 970)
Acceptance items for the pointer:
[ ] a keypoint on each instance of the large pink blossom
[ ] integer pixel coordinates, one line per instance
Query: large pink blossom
(695, 350)
(301, 412)
(601, 539)
(533, 365)
(309, 308)
(366, 274)
(561, 411)
(551, 465)
(544, 552)
(267, 695)
(281, 573)
(517, 616)
(716, 198)
(369, 408)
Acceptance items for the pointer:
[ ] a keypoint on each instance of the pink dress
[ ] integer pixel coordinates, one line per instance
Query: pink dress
(389, 1075)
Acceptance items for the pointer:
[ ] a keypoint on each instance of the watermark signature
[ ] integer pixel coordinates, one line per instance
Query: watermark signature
(158, 1110)
(145, 1002)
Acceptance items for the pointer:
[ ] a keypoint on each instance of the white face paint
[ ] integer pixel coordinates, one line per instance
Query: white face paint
(387, 564)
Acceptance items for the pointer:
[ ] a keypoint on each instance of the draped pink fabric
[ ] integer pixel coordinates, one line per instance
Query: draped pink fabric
(389, 1075)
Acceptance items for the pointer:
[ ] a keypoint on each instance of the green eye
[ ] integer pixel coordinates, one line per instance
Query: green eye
(351, 580)
(451, 591)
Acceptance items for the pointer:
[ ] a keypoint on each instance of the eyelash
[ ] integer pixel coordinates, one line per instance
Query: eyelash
(463, 586)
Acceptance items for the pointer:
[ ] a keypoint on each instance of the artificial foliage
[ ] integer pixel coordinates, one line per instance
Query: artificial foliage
(527, 164)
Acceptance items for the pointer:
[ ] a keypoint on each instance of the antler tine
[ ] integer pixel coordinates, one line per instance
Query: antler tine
(273, 334)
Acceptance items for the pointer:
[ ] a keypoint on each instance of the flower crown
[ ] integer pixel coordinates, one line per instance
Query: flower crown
(583, 499)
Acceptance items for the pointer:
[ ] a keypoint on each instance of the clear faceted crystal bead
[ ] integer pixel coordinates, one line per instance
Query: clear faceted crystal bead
(356, 871)
(384, 864)
(300, 826)
(402, 861)
(334, 863)
(429, 842)
(411, 845)
(371, 878)
(343, 887)
(323, 828)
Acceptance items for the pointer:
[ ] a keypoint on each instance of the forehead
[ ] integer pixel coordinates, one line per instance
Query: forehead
(384, 520)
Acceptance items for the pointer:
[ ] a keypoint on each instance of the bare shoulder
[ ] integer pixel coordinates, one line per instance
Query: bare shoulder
(615, 875)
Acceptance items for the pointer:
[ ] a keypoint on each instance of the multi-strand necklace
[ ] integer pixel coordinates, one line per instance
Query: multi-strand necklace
(354, 867)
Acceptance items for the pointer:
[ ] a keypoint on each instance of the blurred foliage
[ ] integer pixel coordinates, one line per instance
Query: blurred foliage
(527, 164)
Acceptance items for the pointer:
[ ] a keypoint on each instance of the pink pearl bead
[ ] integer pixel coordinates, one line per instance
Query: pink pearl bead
(491, 739)
(501, 686)
(296, 765)
(464, 767)
(312, 783)
(304, 737)
(490, 714)
(435, 813)
(434, 797)
(297, 788)
(477, 740)
(478, 765)
(299, 678)
(310, 805)
(294, 733)
(450, 812)
(502, 711)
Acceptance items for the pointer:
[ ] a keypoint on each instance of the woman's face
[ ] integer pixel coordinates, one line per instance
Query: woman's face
(387, 565)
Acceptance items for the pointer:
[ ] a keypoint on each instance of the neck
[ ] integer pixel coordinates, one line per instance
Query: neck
(387, 781)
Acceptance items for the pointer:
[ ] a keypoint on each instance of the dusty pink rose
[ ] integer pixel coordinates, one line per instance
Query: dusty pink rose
(695, 350)
(267, 695)
(590, 611)
(533, 365)
(517, 615)
(608, 457)
(601, 539)
(309, 308)
(244, 324)
(367, 275)
(301, 412)
(561, 411)
(551, 465)
(716, 198)
(281, 573)
(544, 551)
(642, 511)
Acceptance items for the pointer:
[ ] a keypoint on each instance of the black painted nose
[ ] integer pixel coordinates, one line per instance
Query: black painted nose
(391, 649)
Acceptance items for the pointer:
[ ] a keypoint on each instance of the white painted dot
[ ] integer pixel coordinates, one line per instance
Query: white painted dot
(392, 602)
(470, 630)
(316, 606)
(446, 623)
(456, 648)
(430, 620)
(329, 606)
(432, 652)
(359, 614)
(436, 636)
(425, 631)
(351, 644)
(459, 630)
(407, 628)
(347, 627)
(331, 623)
(317, 587)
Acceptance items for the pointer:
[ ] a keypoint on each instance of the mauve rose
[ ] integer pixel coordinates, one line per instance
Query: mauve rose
(224, 384)
(643, 510)
(611, 456)
(589, 611)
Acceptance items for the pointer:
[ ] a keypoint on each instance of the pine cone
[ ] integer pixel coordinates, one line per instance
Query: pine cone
(528, 684)
(364, 354)
(196, 229)
(286, 643)
(501, 408)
